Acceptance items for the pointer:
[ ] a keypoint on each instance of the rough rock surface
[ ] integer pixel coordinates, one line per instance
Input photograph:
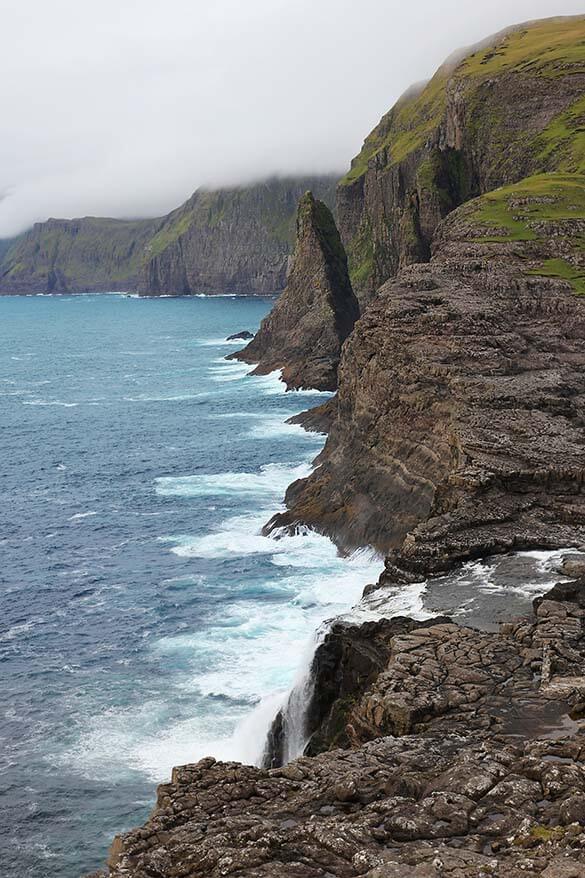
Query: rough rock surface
(490, 116)
(305, 330)
(461, 404)
(481, 771)
(225, 241)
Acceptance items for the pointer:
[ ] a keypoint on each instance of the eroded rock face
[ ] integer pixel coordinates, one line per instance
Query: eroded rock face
(481, 770)
(237, 240)
(305, 330)
(461, 405)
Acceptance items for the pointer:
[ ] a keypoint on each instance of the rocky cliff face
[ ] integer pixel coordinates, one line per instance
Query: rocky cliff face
(436, 749)
(234, 241)
(467, 759)
(305, 330)
(508, 109)
(459, 426)
(226, 241)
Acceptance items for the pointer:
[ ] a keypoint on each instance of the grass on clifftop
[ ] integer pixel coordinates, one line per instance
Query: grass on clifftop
(552, 47)
(525, 211)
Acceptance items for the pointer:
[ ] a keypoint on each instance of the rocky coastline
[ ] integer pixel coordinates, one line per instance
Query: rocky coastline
(457, 752)
(431, 747)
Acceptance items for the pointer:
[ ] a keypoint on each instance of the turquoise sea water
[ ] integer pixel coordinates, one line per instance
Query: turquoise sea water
(143, 618)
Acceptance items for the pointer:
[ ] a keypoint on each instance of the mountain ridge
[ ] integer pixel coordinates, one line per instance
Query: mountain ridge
(235, 240)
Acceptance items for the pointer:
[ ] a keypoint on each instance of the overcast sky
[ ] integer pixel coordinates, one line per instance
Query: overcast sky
(124, 107)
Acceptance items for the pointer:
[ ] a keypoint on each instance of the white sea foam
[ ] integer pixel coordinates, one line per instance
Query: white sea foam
(229, 371)
(220, 342)
(180, 397)
(276, 428)
(80, 515)
(49, 402)
(271, 480)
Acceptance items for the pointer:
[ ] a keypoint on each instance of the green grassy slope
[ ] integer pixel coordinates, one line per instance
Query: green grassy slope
(550, 48)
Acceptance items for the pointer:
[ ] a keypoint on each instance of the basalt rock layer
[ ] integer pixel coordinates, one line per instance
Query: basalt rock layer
(491, 115)
(235, 240)
(461, 404)
(306, 328)
(467, 759)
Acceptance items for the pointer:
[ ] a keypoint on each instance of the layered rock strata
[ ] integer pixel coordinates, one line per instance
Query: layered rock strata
(461, 406)
(306, 328)
(496, 113)
(236, 240)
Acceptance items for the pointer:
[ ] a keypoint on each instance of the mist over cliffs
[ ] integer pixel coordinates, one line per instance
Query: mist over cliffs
(235, 240)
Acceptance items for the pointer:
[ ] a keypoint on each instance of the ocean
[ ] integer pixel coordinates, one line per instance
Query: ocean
(145, 622)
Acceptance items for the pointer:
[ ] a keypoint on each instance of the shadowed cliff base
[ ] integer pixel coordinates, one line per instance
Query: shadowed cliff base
(306, 328)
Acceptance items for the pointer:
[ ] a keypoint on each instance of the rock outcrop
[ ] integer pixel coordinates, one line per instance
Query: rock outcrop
(305, 330)
(235, 240)
(461, 405)
(467, 758)
(490, 116)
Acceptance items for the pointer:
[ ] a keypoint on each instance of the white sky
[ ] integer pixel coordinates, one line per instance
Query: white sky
(124, 107)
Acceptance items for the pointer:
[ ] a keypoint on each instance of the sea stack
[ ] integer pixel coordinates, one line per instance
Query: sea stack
(305, 330)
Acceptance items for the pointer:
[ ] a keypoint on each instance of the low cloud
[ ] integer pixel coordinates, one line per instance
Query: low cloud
(124, 107)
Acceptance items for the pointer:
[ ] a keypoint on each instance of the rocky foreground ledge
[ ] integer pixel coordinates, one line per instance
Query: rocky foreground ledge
(462, 755)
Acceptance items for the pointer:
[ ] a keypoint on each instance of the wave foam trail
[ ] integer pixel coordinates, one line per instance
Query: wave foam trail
(272, 480)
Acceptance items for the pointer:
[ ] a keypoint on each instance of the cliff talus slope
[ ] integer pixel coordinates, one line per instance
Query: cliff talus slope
(305, 330)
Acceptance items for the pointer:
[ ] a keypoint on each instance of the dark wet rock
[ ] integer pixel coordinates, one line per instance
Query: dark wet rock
(318, 419)
(244, 334)
(573, 565)
(305, 330)
(456, 760)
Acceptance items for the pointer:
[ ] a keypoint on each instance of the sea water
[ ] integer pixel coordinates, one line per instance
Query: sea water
(145, 621)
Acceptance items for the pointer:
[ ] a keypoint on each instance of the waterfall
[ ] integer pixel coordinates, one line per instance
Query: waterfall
(289, 734)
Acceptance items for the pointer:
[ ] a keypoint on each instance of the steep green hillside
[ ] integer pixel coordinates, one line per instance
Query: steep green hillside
(513, 108)
(82, 255)
(545, 214)
(231, 240)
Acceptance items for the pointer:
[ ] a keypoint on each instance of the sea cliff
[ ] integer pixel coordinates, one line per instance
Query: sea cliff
(317, 311)
(236, 240)
(435, 748)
